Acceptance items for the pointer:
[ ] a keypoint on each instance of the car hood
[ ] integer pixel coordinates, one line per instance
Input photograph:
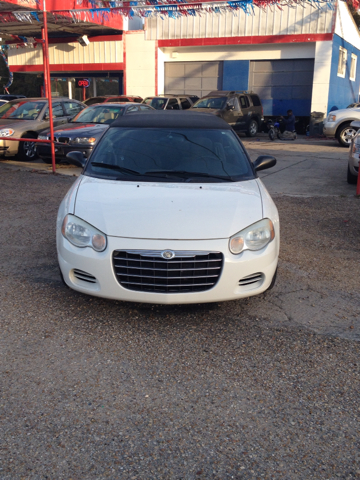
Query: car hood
(350, 113)
(78, 129)
(168, 210)
(15, 124)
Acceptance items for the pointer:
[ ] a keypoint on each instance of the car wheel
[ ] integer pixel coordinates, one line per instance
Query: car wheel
(252, 129)
(271, 286)
(345, 134)
(351, 178)
(27, 150)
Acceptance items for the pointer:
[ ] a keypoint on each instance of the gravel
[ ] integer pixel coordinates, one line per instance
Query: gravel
(266, 387)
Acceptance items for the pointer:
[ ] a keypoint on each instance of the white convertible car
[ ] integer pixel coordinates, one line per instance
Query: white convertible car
(169, 209)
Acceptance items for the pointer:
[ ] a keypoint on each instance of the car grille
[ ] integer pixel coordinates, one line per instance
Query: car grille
(85, 277)
(63, 139)
(186, 271)
(254, 280)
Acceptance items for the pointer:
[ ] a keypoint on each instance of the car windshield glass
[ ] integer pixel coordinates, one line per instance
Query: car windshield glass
(99, 114)
(21, 110)
(170, 155)
(211, 102)
(157, 103)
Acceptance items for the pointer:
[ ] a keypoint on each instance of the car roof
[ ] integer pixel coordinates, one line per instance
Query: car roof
(43, 99)
(114, 104)
(169, 119)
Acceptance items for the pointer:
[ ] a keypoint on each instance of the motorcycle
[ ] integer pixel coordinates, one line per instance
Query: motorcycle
(277, 129)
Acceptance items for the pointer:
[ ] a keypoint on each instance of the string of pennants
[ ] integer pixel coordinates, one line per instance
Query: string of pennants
(150, 8)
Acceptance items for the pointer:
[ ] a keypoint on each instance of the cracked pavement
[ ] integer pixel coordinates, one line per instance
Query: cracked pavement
(262, 388)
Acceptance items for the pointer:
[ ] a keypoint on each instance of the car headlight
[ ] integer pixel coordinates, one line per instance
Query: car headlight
(254, 237)
(82, 141)
(331, 118)
(43, 137)
(81, 234)
(6, 132)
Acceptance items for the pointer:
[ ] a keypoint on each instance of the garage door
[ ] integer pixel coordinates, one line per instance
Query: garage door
(193, 78)
(283, 85)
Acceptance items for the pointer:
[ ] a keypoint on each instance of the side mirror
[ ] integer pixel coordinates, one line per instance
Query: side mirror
(263, 162)
(77, 159)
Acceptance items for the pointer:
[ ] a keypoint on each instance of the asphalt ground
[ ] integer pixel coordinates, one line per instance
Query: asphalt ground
(265, 387)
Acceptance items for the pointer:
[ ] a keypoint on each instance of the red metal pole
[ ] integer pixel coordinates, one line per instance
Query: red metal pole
(48, 85)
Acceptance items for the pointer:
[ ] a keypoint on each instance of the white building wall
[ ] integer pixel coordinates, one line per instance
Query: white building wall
(321, 82)
(271, 21)
(140, 65)
(345, 25)
(238, 52)
(69, 53)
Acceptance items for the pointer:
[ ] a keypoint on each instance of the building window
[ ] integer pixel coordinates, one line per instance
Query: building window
(353, 66)
(342, 62)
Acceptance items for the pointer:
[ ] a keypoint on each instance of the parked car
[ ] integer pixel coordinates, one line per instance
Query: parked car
(354, 155)
(338, 125)
(171, 102)
(84, 131)
(25, 118)
(242, 110)
(353, 105)
(169, 209)
(112, 99)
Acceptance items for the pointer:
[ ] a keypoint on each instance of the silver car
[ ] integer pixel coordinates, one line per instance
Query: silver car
(338, 125)
(26, 117)
(354, 155)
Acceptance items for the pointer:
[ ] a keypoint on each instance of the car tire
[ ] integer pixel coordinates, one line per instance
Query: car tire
(62, 278)
(253, 128)
(27, 150)
(351, 178)
(273, 281)
(345, 134)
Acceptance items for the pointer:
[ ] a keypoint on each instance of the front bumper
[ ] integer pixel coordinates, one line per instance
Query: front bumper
(354, 161)
(329, 129)
(44, 151)
(8, 148)
(235, 268)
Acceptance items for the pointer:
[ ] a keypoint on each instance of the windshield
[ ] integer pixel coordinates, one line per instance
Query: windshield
(170, 155)
(157, 103)
(211, 102)
(21, 110)
(99, 114)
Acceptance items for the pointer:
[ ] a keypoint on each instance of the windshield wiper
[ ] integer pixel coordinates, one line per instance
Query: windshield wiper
(186, 174)
(115, 167)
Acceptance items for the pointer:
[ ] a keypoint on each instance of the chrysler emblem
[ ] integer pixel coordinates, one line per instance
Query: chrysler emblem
(168, 254)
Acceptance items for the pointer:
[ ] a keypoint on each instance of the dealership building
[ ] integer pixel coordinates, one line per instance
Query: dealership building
(304, 58)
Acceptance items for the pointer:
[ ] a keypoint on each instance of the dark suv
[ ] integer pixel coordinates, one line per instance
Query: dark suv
(171, 101)
(242, 110)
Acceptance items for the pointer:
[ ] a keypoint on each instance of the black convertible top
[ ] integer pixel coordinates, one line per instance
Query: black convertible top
(169, 119)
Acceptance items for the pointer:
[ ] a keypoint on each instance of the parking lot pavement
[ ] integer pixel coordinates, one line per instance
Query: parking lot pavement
(266, 387)
(305, 167)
